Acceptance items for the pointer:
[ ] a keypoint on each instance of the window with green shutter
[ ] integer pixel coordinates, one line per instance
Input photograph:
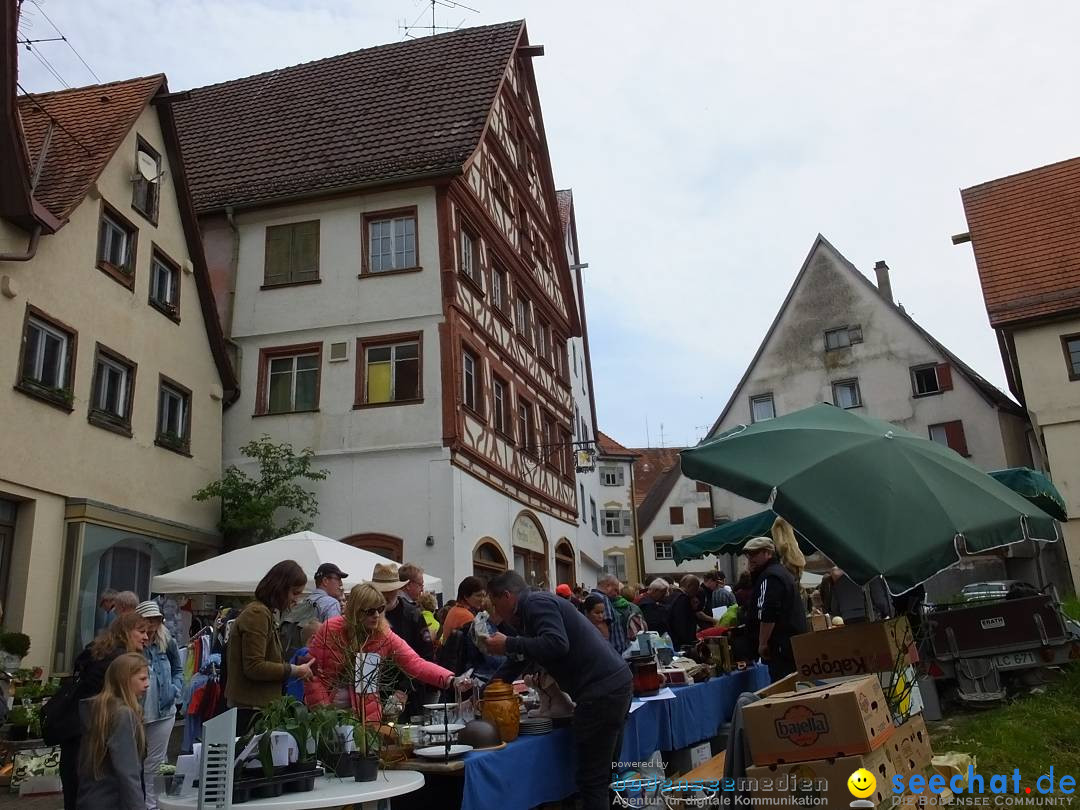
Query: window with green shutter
(292, 253)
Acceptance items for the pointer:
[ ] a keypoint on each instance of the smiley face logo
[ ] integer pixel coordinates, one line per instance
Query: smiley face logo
(862, 783)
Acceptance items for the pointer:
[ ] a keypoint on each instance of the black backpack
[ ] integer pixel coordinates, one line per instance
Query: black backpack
(60, 721)
(453, 653)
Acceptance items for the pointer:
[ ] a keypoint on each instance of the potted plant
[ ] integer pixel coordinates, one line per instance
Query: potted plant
(288, 715)
(13, 648)
(333, 732)
(30, 692)
(365, 759)
(25, 721)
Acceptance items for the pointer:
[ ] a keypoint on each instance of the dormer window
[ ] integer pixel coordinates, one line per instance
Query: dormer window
(147, 181)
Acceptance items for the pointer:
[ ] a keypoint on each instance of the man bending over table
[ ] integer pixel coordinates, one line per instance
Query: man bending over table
(555, 635)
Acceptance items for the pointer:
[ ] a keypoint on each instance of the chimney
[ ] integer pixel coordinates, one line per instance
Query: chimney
(884, 286)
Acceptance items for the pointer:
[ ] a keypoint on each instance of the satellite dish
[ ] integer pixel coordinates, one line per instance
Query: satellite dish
(147, 166)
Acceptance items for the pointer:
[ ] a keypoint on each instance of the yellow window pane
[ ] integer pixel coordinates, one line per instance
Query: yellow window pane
(378, 382)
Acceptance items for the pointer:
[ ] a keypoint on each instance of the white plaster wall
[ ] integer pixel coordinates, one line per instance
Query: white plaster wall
(479, 511)
(340, 298)
(683, 494)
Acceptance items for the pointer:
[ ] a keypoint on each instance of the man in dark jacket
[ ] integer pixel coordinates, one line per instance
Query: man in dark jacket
(553, 634)
(682, 607)
(778, 612)
(406, 621)
(652, 605)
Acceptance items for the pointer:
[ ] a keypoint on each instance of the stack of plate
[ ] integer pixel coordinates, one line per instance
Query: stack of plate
(535, 725)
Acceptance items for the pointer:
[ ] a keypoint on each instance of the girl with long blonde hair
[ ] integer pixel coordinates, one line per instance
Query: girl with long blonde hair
(114, 744)
(362, 628)
(126, 634)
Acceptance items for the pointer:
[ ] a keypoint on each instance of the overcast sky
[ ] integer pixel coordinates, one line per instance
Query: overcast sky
(707, 144)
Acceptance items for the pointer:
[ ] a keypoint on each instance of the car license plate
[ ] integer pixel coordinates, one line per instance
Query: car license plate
(1014, 660)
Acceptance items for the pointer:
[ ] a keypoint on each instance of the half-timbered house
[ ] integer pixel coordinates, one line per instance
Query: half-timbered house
(386, 244)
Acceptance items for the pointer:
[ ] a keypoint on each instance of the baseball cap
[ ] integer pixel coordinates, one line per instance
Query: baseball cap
(758, 543)
(329, 570)
(148, 610)
(563, 590)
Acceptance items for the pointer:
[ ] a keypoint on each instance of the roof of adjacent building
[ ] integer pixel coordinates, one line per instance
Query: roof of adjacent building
(88, 125)
(657, 495)
(565, 198)
(991, 393)
(1025, 230)
(385, 114)
(610, 447)
(649, 466)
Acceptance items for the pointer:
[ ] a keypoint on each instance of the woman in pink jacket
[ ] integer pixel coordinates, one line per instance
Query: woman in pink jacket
(362, 628)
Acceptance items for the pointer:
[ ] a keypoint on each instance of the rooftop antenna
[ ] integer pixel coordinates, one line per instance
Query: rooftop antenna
(434, 28)
(647, 441)
(661, 434)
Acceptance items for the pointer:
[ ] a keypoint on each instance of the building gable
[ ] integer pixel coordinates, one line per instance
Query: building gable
(829, 293)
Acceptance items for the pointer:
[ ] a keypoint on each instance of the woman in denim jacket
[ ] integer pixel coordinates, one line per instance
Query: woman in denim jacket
(159, 705)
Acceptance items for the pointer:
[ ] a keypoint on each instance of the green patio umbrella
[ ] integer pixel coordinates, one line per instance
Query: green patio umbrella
(874, 498)
(729, 538)
(1034, 486)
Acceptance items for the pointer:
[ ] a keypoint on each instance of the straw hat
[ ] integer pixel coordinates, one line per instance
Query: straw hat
(385, 578)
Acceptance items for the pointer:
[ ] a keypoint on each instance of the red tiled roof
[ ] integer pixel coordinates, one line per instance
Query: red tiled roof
(410, 109)
(610, 447)
(90, 123)
(1025, 230)
(651, 464)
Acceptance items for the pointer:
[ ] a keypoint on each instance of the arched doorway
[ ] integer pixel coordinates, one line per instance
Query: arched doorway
(530, 550)
(384, 544)
(565, 569)
(488, 559)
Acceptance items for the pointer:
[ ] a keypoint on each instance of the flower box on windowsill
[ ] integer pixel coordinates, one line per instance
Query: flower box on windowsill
(61, 397)
(170, 311)
(170, 441)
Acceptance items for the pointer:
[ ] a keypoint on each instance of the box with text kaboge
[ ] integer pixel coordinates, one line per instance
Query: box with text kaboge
(855, 649)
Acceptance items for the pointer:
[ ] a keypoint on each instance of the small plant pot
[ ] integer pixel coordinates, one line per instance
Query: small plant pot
(18, 733)
(343, 766)
(365, 768)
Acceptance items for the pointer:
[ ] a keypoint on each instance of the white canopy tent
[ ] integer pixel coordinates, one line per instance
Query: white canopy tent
(238, 572)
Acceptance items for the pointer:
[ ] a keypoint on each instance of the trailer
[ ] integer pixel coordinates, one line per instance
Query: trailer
(986, 647)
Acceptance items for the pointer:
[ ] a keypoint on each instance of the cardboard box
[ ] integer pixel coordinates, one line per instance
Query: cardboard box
(785, 684)
(855, 649)
(821, 782)
(909, 748)
(838, 720)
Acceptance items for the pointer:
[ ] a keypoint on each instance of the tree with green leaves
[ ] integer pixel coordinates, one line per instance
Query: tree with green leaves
(248, 504)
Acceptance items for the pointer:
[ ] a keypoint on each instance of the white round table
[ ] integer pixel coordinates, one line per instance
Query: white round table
(329, 792)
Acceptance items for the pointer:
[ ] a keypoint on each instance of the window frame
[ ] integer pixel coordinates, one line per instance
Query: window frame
(501, 304)
(667, 541)
(371, 217)
(944, 381)
(605, 516)
(499, 410)
(616, 472)
(475, 275)
(549, 441)
(853, 333)
(122, 275)
(678, 511)
(477, 408)
(853, 381)
(762, 397)
(170, 310)
(106, 419)
(542, 343)
(528, 442)
(63, 397)
(963, 449)
(182, 447)
(705, 519)
(262, 387)
(378, 341)
(292, 282)
(524, 318)
(142, 145)
(488, 568)
(592, 516)
(1074, 374)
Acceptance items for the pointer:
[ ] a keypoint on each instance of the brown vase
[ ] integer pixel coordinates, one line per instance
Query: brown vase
(501, 708)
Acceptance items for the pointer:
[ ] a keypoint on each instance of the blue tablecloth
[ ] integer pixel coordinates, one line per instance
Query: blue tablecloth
(534, 770)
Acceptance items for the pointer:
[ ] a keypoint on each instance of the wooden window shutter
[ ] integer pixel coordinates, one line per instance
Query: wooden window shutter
(676, 515)
(702, 487)
(944, 375)
(704, 517)
(954, 433)
(620, 476)
(278, 250)
(305, 251)
(627, 524)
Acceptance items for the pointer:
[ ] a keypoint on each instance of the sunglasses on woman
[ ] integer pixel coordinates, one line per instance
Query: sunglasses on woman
(375, 611)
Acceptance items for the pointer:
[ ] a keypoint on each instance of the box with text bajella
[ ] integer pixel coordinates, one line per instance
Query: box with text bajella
(820, 782)
(837, 720)
(855, 649)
